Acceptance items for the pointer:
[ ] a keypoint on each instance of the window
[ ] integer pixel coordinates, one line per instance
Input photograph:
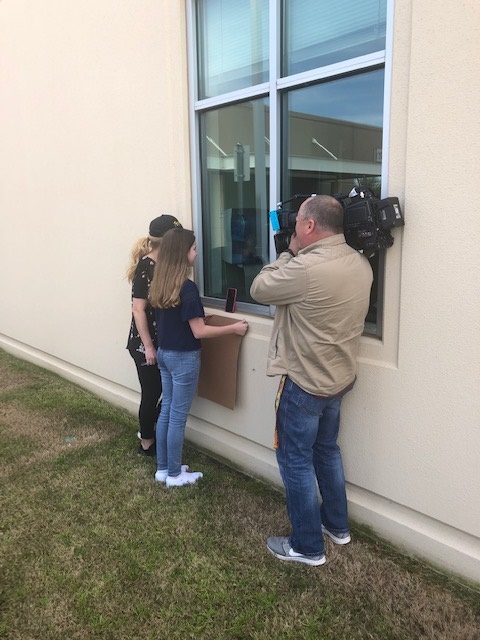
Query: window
(317, 34)
(232, 45)
(288, 98)
(234, 143)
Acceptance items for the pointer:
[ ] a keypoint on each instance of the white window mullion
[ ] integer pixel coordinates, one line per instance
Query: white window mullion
(249, 93)
(275, 124)
(387, 96)
(330, 71)
(194, 145)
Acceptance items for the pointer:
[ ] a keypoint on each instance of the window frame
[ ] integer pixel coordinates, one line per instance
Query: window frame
(274, 89)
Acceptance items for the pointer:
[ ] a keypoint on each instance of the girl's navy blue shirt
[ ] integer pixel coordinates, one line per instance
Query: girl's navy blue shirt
(173, 329)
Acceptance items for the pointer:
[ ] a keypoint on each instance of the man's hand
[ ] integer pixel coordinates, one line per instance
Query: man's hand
(294, 245)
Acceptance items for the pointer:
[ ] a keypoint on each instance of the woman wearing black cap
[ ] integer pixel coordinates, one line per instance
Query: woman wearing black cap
(142, 339)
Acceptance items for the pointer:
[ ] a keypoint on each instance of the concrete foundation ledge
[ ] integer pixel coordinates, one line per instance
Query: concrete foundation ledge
(244, 455)
(443, 546)
(111, 392)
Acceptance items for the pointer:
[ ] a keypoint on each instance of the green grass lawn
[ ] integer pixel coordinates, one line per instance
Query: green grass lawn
(92, 547)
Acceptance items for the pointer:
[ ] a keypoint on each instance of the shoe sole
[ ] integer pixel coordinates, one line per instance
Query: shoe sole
(184, 484)
(187, 483)
(301, 559)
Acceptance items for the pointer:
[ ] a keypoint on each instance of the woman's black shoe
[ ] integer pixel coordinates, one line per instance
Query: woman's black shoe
(150, 452)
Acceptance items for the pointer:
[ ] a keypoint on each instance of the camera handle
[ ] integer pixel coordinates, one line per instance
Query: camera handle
(295, 197)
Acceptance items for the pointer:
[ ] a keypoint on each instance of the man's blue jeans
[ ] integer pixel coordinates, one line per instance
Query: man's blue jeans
(308, 454)
(179, 371)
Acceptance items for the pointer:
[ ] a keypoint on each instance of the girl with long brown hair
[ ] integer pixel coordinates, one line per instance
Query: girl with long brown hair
(180, 319)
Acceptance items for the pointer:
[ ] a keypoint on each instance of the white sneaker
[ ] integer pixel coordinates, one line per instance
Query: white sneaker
(161, 476)
(184, 478)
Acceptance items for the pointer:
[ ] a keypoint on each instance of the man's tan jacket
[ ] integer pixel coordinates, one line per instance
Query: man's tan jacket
(322, 297)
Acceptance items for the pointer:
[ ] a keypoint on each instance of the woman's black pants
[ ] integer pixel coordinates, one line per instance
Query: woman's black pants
(151, 390)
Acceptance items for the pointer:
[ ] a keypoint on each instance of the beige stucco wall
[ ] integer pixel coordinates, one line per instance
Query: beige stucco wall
(95, 143)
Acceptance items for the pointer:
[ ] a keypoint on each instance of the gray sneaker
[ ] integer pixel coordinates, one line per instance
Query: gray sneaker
(338, 538)
(282, 549)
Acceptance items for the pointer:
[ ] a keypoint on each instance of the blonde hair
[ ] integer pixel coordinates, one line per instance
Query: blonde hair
(172, 269)
(141, 248)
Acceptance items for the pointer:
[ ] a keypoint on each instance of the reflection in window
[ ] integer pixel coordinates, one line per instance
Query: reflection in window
(233, 45)
(333, 142)
(234, 144)
(333, 134)
(317, 34)
(325, 127)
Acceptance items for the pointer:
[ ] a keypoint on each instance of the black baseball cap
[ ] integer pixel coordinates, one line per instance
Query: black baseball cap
(162, 224)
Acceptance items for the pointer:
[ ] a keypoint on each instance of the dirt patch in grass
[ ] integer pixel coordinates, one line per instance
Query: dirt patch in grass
(41, 437)
(11, 380)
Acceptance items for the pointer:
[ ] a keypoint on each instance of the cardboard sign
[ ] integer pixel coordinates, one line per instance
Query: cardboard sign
(218, 372)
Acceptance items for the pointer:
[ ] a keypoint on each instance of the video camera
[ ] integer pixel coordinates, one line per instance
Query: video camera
(367, 220)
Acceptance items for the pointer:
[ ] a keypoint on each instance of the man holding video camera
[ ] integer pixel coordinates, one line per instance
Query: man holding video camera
(321, 288)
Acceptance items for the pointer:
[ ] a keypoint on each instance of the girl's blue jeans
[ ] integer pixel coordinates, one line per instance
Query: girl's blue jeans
(179, 372)
(310, 460)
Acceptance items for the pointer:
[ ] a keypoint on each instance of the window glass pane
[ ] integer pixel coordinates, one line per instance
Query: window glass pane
(330, 132)
(232, 45)
(235, 161)
(333, 140)
(318, 33)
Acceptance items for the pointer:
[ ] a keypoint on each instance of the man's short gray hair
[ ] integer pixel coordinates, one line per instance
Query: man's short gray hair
(326, 212)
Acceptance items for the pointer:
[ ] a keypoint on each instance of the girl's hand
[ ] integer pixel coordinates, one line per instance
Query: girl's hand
(150, 355)
(240, 328)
